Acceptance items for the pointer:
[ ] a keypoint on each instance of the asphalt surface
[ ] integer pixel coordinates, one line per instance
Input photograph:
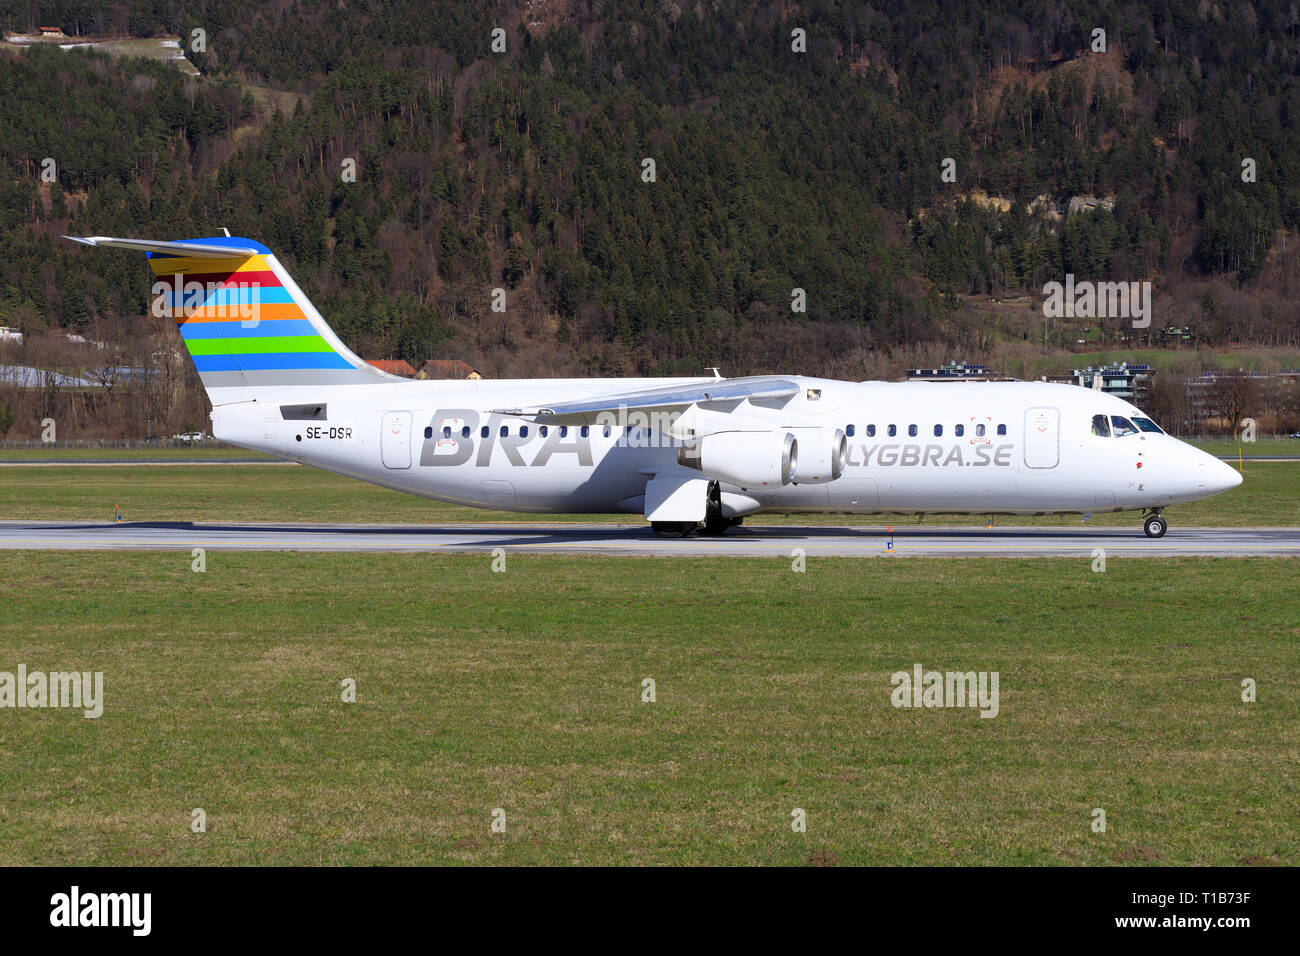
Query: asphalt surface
(610, 539)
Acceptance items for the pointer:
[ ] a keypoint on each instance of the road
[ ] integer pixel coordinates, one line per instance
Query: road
(609, 539)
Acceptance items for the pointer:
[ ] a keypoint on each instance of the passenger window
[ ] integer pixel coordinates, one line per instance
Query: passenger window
(1002, 429)
(1122, 426)
(505, 431)
(585, 431)
(542, 431)
(464, 432)
(911, 430)
(871, 431)
(1100, 427)
(564, 431)
(523, 431)
(483, 432)
(959, 430)
(428, 431)
(1147, 425)
(848, 430)
(893, 430)
(446, 431)
(938, 431)
(606, 432)
(979, 431)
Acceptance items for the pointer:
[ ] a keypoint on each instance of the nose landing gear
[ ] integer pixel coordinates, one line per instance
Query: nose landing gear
(1155, 525)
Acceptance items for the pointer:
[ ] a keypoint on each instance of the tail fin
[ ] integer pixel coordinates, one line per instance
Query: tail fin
(244, 320)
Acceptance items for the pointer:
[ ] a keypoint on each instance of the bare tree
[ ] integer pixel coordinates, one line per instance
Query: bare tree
(1233, 397)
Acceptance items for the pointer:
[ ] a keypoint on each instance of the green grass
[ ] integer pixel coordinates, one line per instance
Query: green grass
(1249, 359)
(1282, 447)
(291, 493)
(522, 691)
(125, 454)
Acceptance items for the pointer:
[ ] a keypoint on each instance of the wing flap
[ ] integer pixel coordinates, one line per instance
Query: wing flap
(709, 393)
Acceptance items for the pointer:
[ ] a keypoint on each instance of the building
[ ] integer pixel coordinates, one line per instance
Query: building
(1129, 382)
(1212, 390)
(953, 372)
(447, 368)
(24, 376)
(393, 367)
(1177, 335)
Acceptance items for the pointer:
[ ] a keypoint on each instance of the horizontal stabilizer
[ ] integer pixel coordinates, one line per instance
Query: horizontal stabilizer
(189, 250)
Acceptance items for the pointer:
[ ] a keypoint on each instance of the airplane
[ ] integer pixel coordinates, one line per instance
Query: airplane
(692, 455)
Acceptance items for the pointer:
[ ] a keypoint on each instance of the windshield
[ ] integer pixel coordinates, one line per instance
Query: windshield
(1147, 425)
(1100, 426)
(1122, 426)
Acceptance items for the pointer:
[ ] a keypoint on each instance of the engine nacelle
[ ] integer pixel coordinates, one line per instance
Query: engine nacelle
(822, 452)
(747, 459)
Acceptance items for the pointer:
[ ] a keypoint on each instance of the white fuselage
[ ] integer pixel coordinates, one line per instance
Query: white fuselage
(1023, 447)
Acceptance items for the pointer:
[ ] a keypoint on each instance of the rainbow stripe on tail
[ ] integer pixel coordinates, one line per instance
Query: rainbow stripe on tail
(244, 320)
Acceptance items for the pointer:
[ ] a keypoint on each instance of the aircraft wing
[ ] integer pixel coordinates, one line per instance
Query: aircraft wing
(189, 250)
(710, 393)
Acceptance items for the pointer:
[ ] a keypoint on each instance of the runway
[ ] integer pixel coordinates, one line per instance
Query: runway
(620, 540)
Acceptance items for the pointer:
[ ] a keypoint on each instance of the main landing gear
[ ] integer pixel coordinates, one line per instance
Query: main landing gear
(672, 529)
(713, 525)
(1155, 525)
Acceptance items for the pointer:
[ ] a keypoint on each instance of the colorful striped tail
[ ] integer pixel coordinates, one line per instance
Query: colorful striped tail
(242, 317)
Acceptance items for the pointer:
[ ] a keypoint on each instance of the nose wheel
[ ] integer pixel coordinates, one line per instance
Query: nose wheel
(1155, 525)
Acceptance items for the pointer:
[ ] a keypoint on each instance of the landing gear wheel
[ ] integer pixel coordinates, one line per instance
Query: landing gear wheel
(714, 521)
(1155, 526)
(672, 529)
(714, 526)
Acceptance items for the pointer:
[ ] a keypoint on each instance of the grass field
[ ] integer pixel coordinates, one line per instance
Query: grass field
(522, 690)
(1270, 495)
(1282, 447)
(126, 454)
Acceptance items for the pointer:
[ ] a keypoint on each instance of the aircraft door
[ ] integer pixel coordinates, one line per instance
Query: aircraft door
(1042, 437)
(395, 440)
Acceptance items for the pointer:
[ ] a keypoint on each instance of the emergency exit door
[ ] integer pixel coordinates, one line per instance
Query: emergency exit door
(1042, 437)
(395, 440)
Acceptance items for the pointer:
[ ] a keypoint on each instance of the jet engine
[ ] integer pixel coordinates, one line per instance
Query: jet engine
(821, 455)
(747, 459)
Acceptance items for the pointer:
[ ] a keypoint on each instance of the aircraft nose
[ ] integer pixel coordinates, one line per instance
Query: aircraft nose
(1216, 476)
(1227, 476)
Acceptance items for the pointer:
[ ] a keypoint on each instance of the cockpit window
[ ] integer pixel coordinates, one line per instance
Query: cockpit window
(1122, 426)
(1147, 425)
(1100, 426)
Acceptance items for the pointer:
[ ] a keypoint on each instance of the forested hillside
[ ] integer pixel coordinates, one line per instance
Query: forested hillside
(775, 170)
